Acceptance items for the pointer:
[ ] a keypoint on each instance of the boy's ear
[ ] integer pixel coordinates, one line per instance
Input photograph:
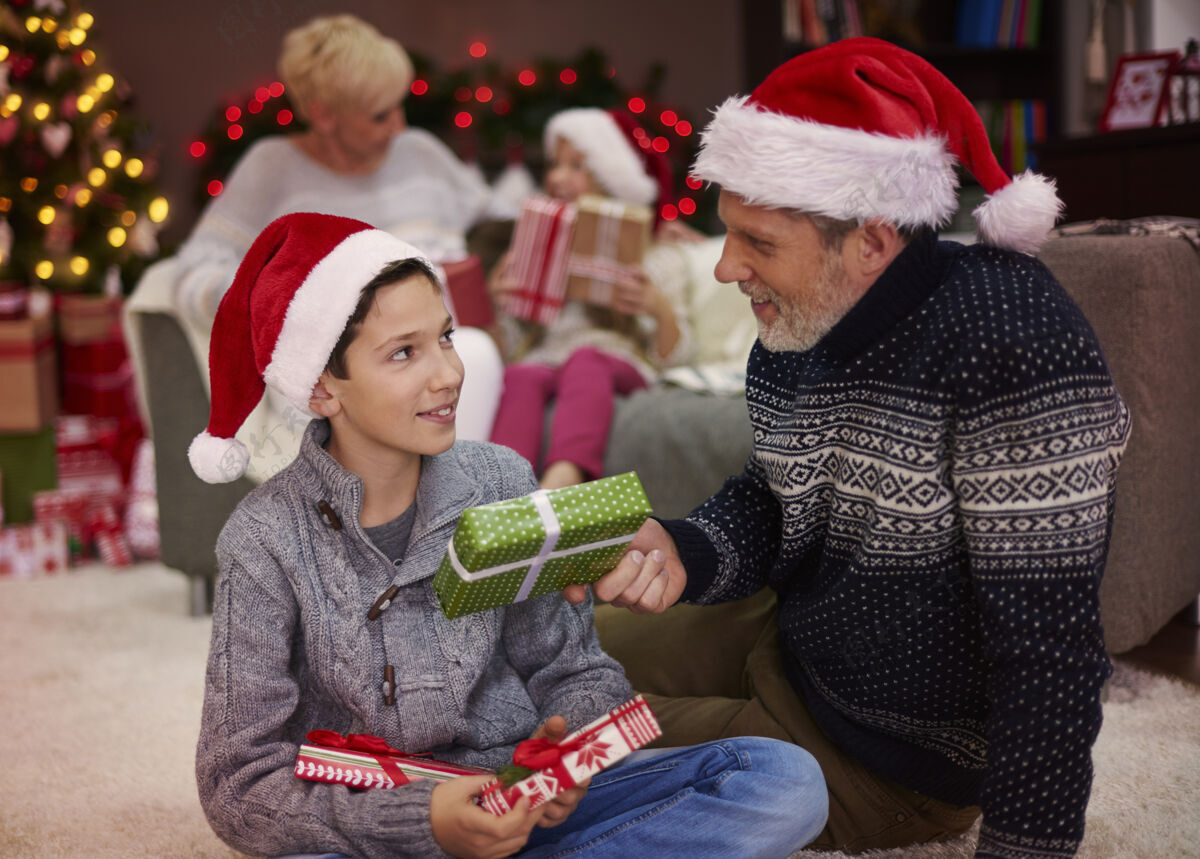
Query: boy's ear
(322, 402)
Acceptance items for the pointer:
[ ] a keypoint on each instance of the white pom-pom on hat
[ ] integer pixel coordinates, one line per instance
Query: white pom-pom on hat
(217, 460)
(1020, 215)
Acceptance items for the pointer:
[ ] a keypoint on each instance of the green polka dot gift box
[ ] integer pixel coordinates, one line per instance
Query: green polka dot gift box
(537, 544)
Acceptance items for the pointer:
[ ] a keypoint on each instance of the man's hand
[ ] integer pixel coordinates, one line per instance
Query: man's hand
(462, 828)
(648, 579)
(559, 807)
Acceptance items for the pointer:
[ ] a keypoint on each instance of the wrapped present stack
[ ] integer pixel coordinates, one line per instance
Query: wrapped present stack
(579, 755)
(541, 245)
(537, 544)
(367, 761)
(610, 238)
(77, 514)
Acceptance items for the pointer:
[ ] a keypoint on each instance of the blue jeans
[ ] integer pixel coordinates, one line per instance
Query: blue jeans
(740, 797)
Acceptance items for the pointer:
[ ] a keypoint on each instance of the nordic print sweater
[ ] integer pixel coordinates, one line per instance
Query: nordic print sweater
(930, 495)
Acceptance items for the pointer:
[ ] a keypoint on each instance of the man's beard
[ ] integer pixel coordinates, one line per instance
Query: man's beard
(800, 326)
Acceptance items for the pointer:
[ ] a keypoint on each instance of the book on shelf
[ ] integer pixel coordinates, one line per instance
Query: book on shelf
(998, 23)
(819, 22)
(1013, 127)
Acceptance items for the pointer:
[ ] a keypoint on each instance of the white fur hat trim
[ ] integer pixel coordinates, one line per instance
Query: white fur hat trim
(775, 160)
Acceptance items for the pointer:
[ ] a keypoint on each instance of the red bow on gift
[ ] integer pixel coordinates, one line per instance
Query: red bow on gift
(541, 753)
(368, 743)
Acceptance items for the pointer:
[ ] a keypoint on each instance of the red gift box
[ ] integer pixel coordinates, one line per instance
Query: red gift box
(579, 755)
(31, 550)
(469, 297)
(538, 259)
(97, 379)
(363, 760)
(86, 462)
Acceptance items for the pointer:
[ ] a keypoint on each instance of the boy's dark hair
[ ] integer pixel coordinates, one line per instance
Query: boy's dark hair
(393, 272)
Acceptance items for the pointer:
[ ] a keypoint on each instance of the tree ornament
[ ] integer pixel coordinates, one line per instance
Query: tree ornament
(56, 137)
(54, 68)
(9, 126)
(21, 65)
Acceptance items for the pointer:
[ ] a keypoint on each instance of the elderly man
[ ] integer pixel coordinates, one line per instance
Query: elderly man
(929, 499)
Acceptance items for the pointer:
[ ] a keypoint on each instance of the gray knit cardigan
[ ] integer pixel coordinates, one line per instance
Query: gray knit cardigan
(292, 650)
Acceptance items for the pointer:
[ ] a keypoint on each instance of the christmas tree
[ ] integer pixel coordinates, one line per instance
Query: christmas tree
(79, 210)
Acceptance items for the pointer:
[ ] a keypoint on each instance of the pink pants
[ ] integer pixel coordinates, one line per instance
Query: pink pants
(584, 387)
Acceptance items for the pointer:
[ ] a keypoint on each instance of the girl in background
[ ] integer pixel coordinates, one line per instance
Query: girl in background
(589, 354)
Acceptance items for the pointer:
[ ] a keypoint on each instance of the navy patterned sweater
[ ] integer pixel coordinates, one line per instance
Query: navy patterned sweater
(930, 495)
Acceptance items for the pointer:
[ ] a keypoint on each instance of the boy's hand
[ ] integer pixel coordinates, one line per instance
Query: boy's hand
(648, 579)
(464, 829)
(559, 808)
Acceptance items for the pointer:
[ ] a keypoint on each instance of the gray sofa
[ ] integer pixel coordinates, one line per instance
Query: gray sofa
(1141, 293)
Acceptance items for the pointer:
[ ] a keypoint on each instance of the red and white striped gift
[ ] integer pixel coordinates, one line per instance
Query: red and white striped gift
(366, 761)
(583, 753)
(538, 260)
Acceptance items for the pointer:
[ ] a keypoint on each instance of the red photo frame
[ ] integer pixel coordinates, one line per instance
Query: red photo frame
(1137, 96)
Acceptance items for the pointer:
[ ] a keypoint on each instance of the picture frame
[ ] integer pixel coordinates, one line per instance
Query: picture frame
(1137, 96)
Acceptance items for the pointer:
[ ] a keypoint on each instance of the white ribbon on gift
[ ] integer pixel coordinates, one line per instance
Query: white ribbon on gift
(553, 530)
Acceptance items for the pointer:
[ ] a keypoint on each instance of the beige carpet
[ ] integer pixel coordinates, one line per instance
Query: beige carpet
(102, 677)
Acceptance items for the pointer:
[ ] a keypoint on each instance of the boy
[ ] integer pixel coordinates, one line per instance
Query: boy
(325, 616)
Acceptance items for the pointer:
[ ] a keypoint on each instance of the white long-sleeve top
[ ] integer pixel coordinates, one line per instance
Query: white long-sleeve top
(421, 191)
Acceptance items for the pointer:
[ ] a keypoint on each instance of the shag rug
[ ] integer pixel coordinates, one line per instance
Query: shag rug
(102, 676)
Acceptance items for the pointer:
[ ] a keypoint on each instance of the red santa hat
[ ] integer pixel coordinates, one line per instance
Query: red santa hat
(277, 325)
(861, 129)
(612, 144)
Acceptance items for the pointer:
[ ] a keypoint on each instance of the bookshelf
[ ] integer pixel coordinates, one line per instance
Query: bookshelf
(928, 29)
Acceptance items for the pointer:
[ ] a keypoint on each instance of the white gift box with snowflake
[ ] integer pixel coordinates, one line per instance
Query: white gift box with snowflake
(537, 544)
(577, 756)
